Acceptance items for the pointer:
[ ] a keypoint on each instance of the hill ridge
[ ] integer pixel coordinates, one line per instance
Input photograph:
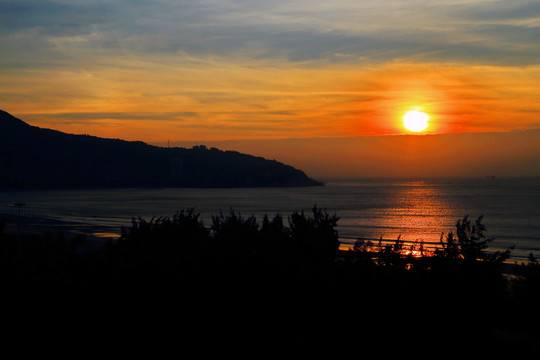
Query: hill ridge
(33, 157)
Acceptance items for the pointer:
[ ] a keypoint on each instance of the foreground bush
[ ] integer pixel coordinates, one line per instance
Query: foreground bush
(237, 258)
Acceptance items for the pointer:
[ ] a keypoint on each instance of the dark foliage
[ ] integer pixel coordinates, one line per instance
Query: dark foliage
(158, 250)
(458, 290)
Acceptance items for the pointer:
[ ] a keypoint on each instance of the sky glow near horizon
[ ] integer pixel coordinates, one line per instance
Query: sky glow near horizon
(230, 69)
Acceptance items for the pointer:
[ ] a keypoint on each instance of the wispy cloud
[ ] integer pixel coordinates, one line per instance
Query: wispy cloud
(295, 31)
(310, 63)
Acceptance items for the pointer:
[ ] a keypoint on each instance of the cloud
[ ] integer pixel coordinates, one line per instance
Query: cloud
(53, 17)
(499, 11)
(273, 68)
(84, 117)
(297, 31)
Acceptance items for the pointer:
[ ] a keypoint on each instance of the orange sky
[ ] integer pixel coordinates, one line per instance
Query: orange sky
(231, 101)
(206, 71)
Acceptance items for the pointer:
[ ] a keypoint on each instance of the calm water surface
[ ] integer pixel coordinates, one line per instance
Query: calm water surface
(368, 208)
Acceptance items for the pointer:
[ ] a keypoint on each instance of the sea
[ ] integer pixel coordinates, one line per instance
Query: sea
(374, 209)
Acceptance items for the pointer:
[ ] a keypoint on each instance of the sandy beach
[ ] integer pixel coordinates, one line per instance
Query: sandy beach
(95, 235)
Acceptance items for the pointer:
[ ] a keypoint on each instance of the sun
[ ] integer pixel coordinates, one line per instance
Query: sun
(415, 121)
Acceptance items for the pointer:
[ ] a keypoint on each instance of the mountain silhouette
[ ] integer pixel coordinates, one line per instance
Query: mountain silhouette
(33, 157)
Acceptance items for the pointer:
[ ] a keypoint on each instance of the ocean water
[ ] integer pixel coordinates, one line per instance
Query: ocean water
(414, 209)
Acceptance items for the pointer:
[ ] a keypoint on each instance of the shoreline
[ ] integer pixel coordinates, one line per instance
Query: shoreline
(94, 234)
(97, 236)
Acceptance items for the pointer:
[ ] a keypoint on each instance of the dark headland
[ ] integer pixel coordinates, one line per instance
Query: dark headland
(33, 157)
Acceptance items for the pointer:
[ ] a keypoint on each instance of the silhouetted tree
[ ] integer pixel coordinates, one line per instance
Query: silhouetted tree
(471, 238)
(160, 250)
(460, 279)
(527, 284)
(470, 244)
(391, 255)
(315, 238)
(234, 235)
(275, 242)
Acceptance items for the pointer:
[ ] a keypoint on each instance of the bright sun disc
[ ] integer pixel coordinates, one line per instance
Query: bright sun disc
(415, 120)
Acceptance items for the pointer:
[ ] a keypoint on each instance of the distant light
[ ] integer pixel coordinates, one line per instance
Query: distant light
(415, 120)
(17, 205)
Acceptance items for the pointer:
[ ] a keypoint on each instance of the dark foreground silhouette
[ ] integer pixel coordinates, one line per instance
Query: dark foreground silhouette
(457, 294)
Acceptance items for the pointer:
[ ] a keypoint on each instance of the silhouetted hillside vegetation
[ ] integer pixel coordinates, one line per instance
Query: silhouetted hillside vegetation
(43, 158)
(293, 265)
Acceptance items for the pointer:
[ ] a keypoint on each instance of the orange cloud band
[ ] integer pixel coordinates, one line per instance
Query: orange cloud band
(173, 98)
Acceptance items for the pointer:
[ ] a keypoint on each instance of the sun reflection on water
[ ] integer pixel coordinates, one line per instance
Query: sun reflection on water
(414, 211)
